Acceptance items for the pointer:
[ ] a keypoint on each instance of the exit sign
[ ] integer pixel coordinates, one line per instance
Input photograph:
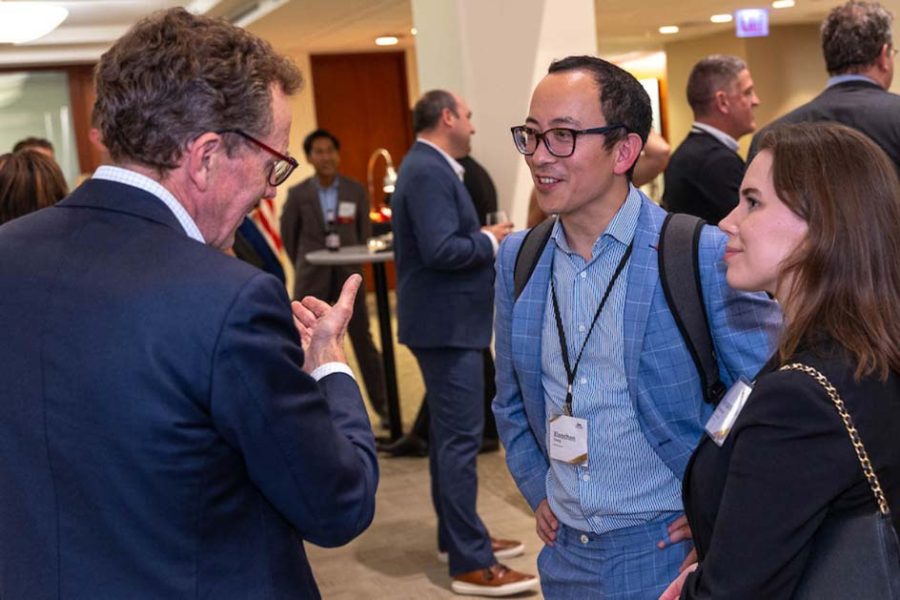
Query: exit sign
(751, 22)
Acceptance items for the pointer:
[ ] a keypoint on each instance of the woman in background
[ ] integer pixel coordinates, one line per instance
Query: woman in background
(29, 181)
(818, 227)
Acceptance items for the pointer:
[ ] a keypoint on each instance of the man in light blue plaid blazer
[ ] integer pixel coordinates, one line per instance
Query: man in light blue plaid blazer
(606, 523)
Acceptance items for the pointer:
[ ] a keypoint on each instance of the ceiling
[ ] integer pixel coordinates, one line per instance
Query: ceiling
(351, 25)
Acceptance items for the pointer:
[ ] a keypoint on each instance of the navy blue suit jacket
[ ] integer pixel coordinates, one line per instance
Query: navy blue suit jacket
(158, 438)
(445, 265)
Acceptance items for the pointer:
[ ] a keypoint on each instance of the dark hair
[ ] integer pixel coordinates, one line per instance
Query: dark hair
(846, 284)
(712, 74)
(175, 76)
(853, 35)
(32, 142)
(428, 110)
(29, 181)
(622, 98)
(318, 134)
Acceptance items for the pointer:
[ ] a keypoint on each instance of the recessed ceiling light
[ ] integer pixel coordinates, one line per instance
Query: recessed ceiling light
(668, 29)
(783, 4)
(414, 31)
(721, 18)
(386, 40)
(25, 21)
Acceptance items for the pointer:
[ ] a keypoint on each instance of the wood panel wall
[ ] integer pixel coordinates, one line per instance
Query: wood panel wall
(363, 100)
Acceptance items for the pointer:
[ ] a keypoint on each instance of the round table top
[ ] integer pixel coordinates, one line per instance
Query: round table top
(349, 255)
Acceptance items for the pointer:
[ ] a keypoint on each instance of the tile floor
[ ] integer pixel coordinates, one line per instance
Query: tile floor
(396, 557)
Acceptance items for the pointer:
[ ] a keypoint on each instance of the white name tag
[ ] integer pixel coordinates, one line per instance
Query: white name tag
(569, 440)
(730, 406)
(346, 211)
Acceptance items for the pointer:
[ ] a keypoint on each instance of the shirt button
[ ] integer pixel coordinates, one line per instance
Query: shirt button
(583, 274)
(581, 328)
(583, 380)
(585, 477)
(584, 539)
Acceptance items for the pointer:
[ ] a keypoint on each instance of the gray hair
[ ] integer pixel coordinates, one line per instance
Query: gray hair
(175, 76)
(430, 107)
(853, 35)
(712, 74)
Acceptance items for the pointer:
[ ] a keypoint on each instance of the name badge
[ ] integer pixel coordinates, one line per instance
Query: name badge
(730, 406)
(346, 211)
(569, 440)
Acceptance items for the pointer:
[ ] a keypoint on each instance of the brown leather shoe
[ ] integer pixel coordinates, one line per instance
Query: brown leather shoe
(495, 581)
(502, 549)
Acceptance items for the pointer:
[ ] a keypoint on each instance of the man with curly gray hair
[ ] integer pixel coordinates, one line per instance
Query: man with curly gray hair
(859, 54)
(171, 426)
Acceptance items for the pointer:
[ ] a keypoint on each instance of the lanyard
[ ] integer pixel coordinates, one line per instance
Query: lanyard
(571, 370)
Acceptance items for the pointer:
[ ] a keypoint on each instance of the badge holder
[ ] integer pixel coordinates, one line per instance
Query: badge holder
(730, 406)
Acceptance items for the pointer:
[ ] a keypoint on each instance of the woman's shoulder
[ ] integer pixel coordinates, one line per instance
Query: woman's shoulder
(804, 386)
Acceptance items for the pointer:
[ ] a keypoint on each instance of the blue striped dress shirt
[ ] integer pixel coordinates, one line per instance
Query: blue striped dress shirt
(625, 483)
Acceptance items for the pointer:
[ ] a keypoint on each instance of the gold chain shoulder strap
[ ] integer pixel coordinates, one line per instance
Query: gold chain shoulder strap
(851, 430)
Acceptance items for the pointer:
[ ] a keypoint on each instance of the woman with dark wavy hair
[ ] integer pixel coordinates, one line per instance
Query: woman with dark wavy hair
(818, 227)
(29, 180)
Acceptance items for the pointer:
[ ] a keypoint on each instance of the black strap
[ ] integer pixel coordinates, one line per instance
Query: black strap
(571, 370)
(680, 278)
(679, 241)
(529, 253)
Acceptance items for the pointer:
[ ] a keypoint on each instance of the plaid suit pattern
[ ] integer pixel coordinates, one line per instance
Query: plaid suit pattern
(662, 379)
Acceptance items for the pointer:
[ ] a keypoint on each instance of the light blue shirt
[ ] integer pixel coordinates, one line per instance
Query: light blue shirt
(142, 182)
(328, 199)
(845, 78)
(625, 483)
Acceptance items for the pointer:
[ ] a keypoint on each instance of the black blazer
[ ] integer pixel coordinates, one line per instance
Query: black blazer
(858, 104)
(755, 504)
(703, 178)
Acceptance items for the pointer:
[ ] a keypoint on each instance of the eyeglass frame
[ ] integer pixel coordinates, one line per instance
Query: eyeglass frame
(542, 135)
(290, 160)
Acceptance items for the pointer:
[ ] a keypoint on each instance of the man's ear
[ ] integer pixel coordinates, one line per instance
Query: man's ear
(884, 58)
(447, 117)
(627, 152)
(201, 156)
(721, 103)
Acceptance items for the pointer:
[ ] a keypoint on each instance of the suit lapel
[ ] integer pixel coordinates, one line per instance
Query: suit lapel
(528, 324)
(643, 277)
(314, 207)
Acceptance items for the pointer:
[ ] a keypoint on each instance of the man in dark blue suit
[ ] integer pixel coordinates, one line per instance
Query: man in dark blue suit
(169, 428)
(445, 304)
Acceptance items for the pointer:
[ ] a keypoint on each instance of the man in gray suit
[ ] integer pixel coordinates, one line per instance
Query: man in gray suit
(325, 202)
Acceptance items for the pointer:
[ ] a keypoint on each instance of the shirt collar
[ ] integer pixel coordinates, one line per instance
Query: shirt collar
(142, 182)
(621, 228)
(320, 187)
(457, 168)
(851, 77)
(720, 135)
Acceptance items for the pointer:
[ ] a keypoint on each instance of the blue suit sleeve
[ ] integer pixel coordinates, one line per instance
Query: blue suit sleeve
(307, 445)
(744, 325)
(435, 219)
(524, 457)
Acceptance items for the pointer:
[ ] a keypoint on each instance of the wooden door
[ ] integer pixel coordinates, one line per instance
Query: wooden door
(363, 100)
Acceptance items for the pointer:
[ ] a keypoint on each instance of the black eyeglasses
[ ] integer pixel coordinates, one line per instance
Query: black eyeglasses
(281, 169)
(560, 141)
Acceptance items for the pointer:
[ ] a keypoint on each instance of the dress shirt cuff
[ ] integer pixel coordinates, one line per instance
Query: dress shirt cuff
(330, 368)
(494, 243)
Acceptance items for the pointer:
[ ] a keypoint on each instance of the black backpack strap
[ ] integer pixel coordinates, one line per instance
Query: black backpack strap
(529, 253)
(679, 273)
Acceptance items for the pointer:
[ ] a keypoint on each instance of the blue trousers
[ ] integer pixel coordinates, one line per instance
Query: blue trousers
(454, 383)
(619, 565)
